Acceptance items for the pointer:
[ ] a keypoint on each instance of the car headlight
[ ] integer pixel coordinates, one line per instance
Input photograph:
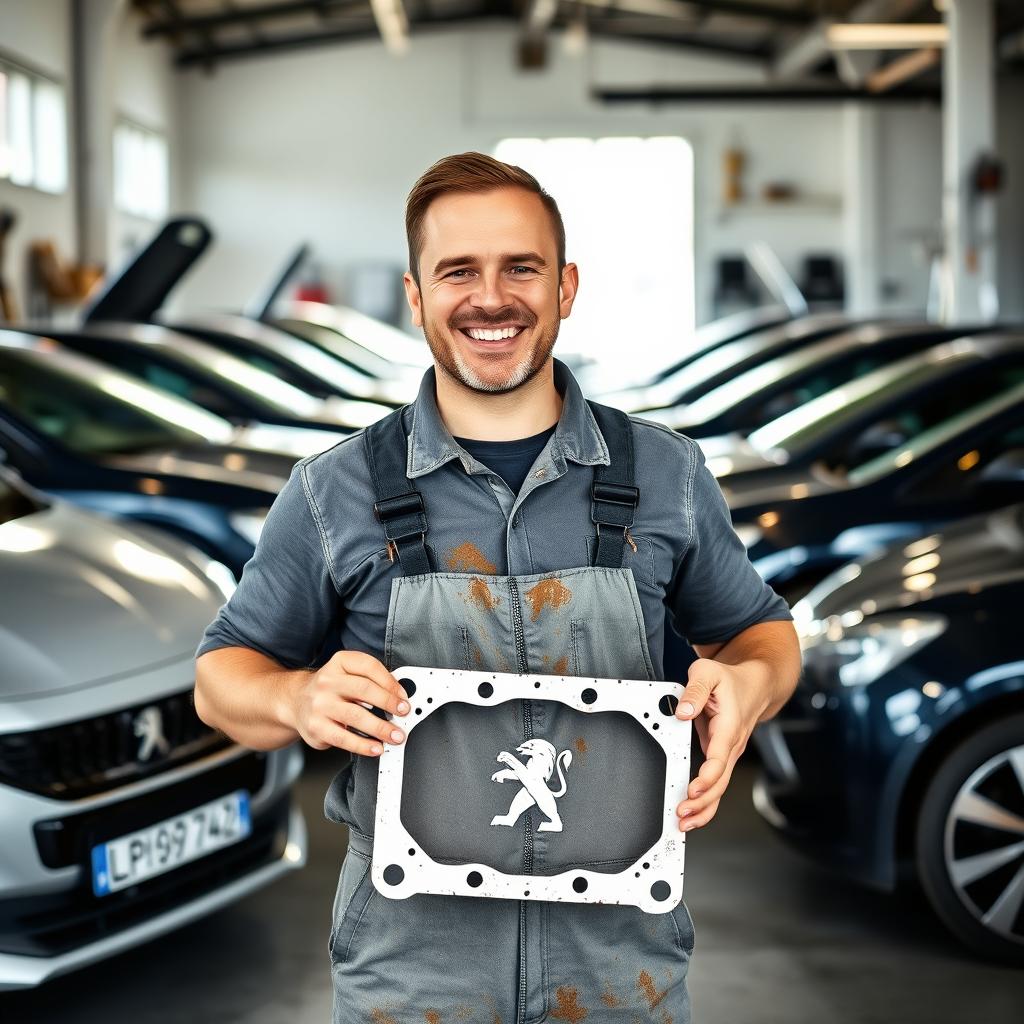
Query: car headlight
(856, 652)
(750, 535)
(249, 524)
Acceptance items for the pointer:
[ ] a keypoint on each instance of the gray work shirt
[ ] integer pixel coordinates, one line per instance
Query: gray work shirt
(320, 580)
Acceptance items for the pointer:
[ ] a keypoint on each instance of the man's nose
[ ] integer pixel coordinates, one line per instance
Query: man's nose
(491, 291)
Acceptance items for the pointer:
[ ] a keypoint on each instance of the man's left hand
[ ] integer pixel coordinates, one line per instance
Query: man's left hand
(724, 702)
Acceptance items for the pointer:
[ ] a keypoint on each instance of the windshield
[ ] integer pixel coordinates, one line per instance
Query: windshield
(213, 379)
(795, 430)
(934, 436)
(99, 412)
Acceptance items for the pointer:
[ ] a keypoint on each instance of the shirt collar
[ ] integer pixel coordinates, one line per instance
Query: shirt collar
(576, 436)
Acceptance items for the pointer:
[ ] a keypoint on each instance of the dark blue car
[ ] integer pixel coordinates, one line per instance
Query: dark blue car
(901, 754)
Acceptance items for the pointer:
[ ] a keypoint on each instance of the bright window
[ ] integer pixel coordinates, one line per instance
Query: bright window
(140, 171)
(627, 204)
(33, 131)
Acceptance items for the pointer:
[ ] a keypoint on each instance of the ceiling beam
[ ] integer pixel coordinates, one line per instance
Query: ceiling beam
(902, 70)
(244, 15)
(356, 27)
(757, 94)
(392, 23)
(804, 54)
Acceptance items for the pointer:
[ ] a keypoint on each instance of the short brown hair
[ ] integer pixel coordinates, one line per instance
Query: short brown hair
(470, 172)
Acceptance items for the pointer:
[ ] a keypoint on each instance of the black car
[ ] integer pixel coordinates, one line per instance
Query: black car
(722, 363)
(295, 360)
(799, 524)
(873, 413)
(771, 389)
(901, 754)
(214, 379)
(99, 438)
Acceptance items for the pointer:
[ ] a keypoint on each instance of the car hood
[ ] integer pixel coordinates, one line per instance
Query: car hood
(87, 599)
(297, 442)
(755, 491)
(213, 463)
(728, 454)
(968, 556)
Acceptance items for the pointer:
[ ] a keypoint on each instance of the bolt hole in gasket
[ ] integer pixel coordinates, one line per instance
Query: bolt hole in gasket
(398, 874)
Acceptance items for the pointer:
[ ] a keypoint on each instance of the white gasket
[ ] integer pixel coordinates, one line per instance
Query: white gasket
(654, 882)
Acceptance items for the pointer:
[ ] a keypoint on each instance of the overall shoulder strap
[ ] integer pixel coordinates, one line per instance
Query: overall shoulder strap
(614, 494)
(398, 505)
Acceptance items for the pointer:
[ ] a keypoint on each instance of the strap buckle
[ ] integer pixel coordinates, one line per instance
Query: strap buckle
(408, 504)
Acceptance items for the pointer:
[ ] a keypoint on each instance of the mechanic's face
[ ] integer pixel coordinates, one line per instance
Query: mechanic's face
(490, 296)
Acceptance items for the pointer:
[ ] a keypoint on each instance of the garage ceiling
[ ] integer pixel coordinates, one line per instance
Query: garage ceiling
(784, 37)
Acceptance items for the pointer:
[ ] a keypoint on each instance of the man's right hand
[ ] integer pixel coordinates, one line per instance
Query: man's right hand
(330, 704)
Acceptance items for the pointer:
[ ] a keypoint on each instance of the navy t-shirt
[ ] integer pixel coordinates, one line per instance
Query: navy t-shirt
(511, 460)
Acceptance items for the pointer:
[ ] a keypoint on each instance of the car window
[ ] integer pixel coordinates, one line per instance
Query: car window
(915, 418)
(168, 379)
(942, 432)
(967, 468)
(793, 431)
(813, 385)
(85, 417)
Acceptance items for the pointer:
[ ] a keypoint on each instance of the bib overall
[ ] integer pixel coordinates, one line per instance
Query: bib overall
(445, 959)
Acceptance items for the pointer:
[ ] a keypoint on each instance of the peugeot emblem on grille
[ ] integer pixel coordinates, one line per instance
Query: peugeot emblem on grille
(149, 727)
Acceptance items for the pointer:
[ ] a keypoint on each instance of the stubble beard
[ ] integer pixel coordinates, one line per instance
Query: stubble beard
(449, 360)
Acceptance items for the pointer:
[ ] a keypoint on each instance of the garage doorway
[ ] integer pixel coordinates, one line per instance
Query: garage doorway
(627, 204)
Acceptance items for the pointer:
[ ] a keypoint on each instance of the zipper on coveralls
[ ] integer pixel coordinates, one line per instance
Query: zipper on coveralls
(520, 637)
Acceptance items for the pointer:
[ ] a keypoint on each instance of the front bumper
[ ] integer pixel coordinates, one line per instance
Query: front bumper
(57, 927)
(807, 788)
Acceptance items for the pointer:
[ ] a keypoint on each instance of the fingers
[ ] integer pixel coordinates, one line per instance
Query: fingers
(354, 716)
(703, 676)
(361, 677)
(329, 734)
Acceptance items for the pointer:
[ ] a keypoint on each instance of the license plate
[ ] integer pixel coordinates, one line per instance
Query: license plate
(151, 851)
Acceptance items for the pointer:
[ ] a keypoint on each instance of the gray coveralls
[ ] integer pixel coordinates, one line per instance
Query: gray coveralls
(448, 958)
(321, 581)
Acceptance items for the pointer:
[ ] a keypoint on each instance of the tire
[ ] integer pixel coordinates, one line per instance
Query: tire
(981, 777)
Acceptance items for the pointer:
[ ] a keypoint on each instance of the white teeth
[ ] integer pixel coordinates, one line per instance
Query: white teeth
(481, 335)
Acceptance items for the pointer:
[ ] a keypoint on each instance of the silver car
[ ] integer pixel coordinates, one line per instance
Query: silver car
(123, 815)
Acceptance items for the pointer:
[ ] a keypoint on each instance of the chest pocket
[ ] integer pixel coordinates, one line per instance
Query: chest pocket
(641, 561)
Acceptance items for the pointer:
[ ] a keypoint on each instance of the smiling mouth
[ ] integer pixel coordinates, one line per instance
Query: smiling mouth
(492, 334)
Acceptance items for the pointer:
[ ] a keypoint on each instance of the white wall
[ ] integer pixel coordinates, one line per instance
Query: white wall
(145, 91)
(323, 146)
(1010, 208)
(123, 75)
(37, 36)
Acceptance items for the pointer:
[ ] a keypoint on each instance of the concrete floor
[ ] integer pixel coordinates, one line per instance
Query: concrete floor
(778, 942)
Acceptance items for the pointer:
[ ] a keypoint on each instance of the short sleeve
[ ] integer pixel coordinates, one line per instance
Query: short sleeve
(286, 601)
(715, 592)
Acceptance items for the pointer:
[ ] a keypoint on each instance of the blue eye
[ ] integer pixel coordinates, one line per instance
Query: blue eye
(528, 270)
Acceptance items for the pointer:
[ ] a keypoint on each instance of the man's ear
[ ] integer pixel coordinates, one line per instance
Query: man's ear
(567, 289)
(412, 296)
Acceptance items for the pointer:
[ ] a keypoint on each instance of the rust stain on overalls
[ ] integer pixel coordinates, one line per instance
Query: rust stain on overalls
(568, 1005)
(380, 1017)
(646, 985)
(548, 594)
(432, 1017)
(561, 666)
(480, 594)
(469, 558)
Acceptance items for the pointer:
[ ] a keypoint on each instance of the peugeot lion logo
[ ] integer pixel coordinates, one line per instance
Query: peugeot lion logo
(149, 727)
(533, 777)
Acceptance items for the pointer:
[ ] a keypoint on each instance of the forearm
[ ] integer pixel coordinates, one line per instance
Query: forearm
(769, 653)
(248, 696)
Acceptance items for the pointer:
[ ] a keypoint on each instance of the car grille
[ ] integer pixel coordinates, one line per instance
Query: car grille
(92, 755)
(49, 924)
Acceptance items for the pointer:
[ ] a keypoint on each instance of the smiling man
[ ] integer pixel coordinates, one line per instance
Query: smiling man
(500, 523)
